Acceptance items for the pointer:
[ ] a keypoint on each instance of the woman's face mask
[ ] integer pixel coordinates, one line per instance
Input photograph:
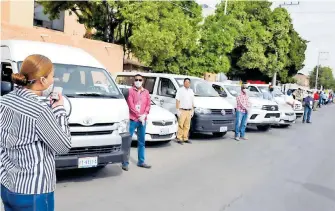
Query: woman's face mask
(49, 89)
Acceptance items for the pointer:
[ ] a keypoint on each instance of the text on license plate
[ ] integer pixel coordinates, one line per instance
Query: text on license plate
(87, 162)
(223, 129)
(164, 131)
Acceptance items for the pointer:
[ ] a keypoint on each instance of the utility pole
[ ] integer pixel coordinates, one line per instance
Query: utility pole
(317, 68)
(225, 7)
(274, 78)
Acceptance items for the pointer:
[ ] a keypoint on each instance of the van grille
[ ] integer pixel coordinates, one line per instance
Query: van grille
(156, 123)
(93, 150)
(218, 111)
(91, 133)
(270, 107)
(277, 115)
(222, 122)
(154, 136)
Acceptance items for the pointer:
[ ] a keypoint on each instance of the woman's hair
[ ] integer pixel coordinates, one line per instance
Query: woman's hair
(33, 68)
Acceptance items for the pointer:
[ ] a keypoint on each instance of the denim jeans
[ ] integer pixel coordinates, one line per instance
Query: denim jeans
(140, 142)
(307, 114)
(240, 124)
(27, 202)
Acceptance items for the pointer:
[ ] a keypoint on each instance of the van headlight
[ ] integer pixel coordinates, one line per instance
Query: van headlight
(124, 126)
(202, 111)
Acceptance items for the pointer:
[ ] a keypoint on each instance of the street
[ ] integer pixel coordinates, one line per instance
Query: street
(281, 170)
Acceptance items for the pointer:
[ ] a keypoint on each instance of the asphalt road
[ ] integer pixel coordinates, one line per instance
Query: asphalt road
(280, 170)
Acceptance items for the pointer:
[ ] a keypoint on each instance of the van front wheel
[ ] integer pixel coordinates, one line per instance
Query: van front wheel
(219, 134)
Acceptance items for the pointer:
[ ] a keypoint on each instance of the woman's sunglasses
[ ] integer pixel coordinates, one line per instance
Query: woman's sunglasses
(138, 79)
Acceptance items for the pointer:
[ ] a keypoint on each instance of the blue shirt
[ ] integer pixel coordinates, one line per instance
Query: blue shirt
(309, 101)
(268, 96)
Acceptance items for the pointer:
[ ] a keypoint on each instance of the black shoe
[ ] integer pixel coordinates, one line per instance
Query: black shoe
(146, 166)
(303, 121)
(188, 142)
(180, 142)
(125, 168)
(309, 122)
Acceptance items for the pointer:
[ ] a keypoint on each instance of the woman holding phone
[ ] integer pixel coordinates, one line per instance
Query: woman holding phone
(32, 132)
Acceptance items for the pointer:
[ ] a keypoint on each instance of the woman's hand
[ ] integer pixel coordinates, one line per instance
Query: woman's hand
(59, 102)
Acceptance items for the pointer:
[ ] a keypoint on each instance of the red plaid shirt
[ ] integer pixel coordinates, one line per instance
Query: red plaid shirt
(242, 103)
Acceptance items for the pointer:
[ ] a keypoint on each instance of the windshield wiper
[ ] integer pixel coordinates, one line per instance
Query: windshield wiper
(95, 94)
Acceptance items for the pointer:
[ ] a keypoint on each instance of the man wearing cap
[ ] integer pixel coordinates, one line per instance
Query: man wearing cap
(242, 107)
(308, 103)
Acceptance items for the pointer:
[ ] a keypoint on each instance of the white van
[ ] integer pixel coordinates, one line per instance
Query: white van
(99, 118)
(212, 113)
(263, 113)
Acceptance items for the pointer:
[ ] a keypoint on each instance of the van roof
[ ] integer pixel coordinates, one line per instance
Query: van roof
(154, 75)
(62, 54)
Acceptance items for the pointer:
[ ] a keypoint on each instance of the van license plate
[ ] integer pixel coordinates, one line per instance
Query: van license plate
(273, 118)
(164, 131)
(88, 162)
(223, 129)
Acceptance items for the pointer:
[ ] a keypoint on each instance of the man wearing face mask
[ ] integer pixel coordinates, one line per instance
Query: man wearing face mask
(269, 95)
(139, 103)
(242, 107)
(308, 103)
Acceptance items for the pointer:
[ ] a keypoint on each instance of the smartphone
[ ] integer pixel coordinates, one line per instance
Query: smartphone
(55, 93)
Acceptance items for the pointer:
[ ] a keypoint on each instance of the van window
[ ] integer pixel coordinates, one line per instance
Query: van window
(78, 81)
(219, 90)
(253, 89)
(165, 85)
(6, 71)
(148, 82)
(200, 87)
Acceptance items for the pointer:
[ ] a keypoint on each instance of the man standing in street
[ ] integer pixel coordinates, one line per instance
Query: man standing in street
(242, 107)
(269, 95)
(185, 111)
(316, 100)
(139, 107)
(308, 103)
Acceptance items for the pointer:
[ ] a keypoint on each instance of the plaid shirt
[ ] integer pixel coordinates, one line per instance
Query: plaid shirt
(242, 102)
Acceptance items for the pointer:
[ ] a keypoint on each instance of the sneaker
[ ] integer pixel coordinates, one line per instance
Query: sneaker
(125, 168)
(180, 142)
(237, 138)
(244, 138)
(188, 142)
(143, 165)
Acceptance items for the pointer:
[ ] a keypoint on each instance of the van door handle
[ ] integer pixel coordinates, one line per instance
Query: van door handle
(156, 98)
(161, 101)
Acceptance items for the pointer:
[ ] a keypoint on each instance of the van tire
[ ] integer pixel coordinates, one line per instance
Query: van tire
(219, 134)
(263, 127)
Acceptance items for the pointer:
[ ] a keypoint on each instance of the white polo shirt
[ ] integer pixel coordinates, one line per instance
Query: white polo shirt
(185, 97)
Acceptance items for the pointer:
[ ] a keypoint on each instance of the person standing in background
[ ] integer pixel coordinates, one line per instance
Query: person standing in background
(242, 107)
(185, 111)
(32, 133)
(139, 104)
(269, 95)
(316, 100)
(308, 103)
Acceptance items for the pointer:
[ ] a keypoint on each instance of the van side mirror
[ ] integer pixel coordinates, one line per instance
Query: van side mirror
(223, 94)
(6, 87)
(171, 92)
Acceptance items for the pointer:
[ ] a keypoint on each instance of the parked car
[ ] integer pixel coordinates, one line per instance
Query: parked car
(212, 113)
(262, 114)
(161, 125)
(279, 97)
(99, 119)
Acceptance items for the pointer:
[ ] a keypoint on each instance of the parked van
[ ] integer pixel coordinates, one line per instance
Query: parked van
(263, 113)
(98, 117)
(212, 113)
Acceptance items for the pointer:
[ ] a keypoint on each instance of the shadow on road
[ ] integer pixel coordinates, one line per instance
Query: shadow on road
(84, 175)
(317, 189)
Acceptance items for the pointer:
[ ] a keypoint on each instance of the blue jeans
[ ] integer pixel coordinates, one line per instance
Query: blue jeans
(27, 202)
(140, 142)
(307, 114)
(240, 124)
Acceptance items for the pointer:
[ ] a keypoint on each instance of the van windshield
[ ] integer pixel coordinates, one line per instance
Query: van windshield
(200, 87)
(236, 90)
(81, 81)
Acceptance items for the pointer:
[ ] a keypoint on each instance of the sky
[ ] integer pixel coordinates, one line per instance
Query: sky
(314, 20)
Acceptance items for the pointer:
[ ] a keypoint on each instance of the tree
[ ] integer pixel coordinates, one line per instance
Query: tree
(160, 34)
(264, 41)
(325, 78)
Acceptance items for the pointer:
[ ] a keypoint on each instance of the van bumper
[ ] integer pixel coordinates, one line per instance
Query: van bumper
(71, 161)
(212, 123)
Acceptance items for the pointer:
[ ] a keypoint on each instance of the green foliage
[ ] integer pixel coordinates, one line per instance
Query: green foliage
(325, 78)
(161, 34)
